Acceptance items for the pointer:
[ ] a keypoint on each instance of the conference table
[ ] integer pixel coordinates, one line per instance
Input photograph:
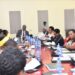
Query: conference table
(46, 59)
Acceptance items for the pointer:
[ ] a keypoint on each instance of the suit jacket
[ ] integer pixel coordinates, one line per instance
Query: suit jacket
(19, 33)
(59, 40)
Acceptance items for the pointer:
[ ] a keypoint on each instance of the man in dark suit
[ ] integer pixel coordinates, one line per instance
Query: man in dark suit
(22, 33)
(58, 39)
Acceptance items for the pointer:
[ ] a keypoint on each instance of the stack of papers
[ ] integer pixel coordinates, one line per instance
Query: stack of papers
(63, 59)
(61, 74)
(69, 55)
(64, 50)
(47, 43)
(32, 64)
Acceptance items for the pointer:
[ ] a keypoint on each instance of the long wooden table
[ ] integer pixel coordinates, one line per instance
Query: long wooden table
(46, 59)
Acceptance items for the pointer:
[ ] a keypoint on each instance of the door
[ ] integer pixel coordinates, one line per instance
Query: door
(42, 19)
(15, 21)
(69, 19)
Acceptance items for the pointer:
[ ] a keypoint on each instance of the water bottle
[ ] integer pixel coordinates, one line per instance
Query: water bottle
(74, 73)
(31, 40)
(28, 38)
(73, 70)
(59, 66)
(38, 49)
(59, 50)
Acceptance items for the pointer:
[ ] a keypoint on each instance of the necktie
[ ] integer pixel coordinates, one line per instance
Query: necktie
(23, 35)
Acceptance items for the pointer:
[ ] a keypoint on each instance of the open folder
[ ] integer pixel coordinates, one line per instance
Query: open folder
(32, 64)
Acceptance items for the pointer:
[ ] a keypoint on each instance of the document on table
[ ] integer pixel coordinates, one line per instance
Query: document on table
(61, 74)
(69, 55)
(64, 50)
(64, 58)
(32, 64)
(47, 43)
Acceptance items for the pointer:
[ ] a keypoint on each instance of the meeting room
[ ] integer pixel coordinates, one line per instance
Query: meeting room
(37, 37)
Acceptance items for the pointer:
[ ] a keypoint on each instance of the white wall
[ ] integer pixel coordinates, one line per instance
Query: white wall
(29, 10)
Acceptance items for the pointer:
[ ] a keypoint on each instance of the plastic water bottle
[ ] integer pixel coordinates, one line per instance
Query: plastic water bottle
(59, 66)
(28, 38)
(38, 48)
(74, 73)
(73, 70)
(59, 50)
(33, 41)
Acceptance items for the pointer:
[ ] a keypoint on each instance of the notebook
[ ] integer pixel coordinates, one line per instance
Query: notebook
(52, 67)
(32, 64)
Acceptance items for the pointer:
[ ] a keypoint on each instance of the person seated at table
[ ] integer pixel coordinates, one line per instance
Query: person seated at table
(12, 62)
(66, 39)
(71, 43)
(45, 32)
(42, 34)
(1, 30)
(5, 32)
(51, 31)
(6, 41)
(1, 34)
(58, 39)
(22, 33)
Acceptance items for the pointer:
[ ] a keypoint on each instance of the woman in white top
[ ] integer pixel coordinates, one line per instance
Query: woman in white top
(51, 31)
